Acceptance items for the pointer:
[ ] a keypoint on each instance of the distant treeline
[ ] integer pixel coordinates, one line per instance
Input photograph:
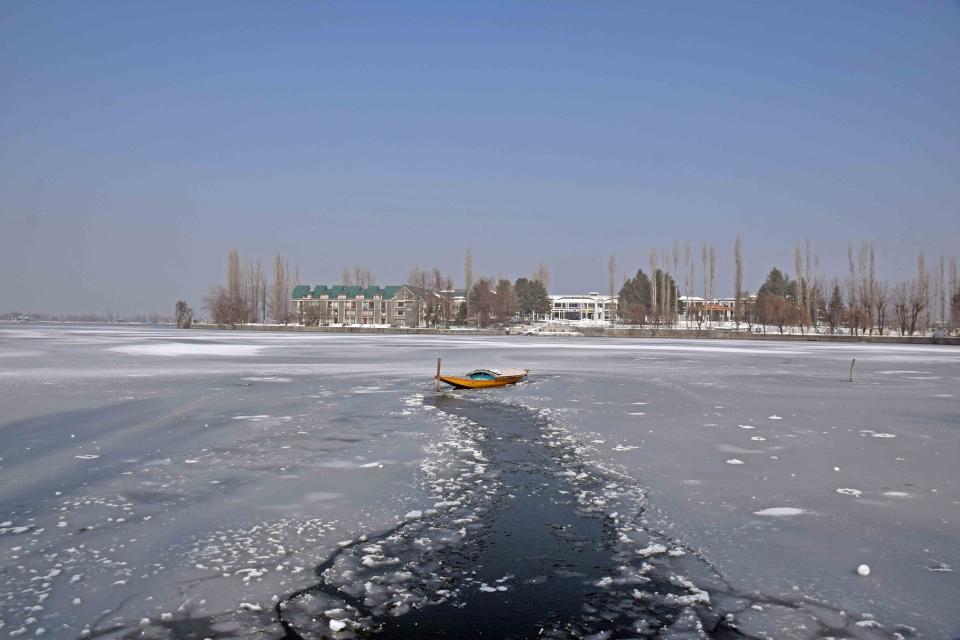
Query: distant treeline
(678, 287)
(106, 316)
(927, 299)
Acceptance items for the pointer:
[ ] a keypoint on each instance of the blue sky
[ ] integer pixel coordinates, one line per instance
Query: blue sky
(139, 142)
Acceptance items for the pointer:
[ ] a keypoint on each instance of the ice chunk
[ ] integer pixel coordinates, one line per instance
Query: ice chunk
(779, 511)
(849, 492)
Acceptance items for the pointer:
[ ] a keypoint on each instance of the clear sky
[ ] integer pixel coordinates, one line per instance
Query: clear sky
(140, 141)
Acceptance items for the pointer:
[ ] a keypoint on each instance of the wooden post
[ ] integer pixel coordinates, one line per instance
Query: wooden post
(437, 377)
(853, 362)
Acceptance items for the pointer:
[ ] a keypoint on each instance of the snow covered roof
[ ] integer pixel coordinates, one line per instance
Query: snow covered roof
(510, 372)
(387, 293)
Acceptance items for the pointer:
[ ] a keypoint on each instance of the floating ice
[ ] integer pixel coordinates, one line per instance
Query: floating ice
(87, 456)
(863, 570)
(849, 492)
(774, 417)
(652, 550)
(779, 511)
(734, 461)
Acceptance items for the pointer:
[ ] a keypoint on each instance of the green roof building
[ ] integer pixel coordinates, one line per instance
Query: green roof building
(401, 305)
(395, 305)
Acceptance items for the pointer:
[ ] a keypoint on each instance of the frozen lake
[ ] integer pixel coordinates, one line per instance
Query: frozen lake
(157, 483)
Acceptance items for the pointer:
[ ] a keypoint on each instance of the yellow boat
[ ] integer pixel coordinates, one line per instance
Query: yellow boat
(483, 378)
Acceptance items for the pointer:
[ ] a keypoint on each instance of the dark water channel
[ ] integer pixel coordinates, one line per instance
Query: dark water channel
(535, 562)
(535, 537)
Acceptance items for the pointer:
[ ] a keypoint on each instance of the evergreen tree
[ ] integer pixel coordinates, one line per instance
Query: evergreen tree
(634, 298)
(542, 306)
(504, 304)
(522, 298)
(778, 284)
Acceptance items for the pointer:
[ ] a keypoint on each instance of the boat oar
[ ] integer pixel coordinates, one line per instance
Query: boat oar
(437, 377)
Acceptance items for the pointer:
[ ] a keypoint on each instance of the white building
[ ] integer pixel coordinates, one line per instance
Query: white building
(591, 307)
(716, 310)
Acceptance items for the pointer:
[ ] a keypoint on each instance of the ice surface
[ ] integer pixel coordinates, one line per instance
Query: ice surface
(223, 477)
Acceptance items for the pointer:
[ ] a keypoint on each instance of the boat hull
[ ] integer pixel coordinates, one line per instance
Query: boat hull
(467, 383)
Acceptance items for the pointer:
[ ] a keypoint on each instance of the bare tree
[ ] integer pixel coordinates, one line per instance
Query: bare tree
(910, 300)
(954, 295)
(798, 282)
(901, 307)
(687, 279)
(357, 276)
(418, 278)
(852, 283)
(676, 279)
(235, 289)
(262, 290)
(542, 275)
(713, 270)
(280, 290)
(811, 285)
(873, 287)
(654, 288)
(737, 282)
(920, 297)
(705, 259)
(942, 292)
(218, 303)
(443, 286)
(665, 307)
(184, 315)
(253, 284)
(881, 296)
(468, 280)
(612, 268)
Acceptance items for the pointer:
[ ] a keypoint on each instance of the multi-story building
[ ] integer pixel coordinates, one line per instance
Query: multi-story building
(715, 310)
(591, 307)
(397, 305)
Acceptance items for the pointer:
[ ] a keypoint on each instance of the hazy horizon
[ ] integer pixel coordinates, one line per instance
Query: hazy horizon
(140, 143)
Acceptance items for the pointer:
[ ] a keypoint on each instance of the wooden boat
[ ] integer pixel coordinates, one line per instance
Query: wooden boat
(482, 378)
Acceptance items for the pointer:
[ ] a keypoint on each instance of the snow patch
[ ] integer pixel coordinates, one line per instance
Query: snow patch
(171, 349)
